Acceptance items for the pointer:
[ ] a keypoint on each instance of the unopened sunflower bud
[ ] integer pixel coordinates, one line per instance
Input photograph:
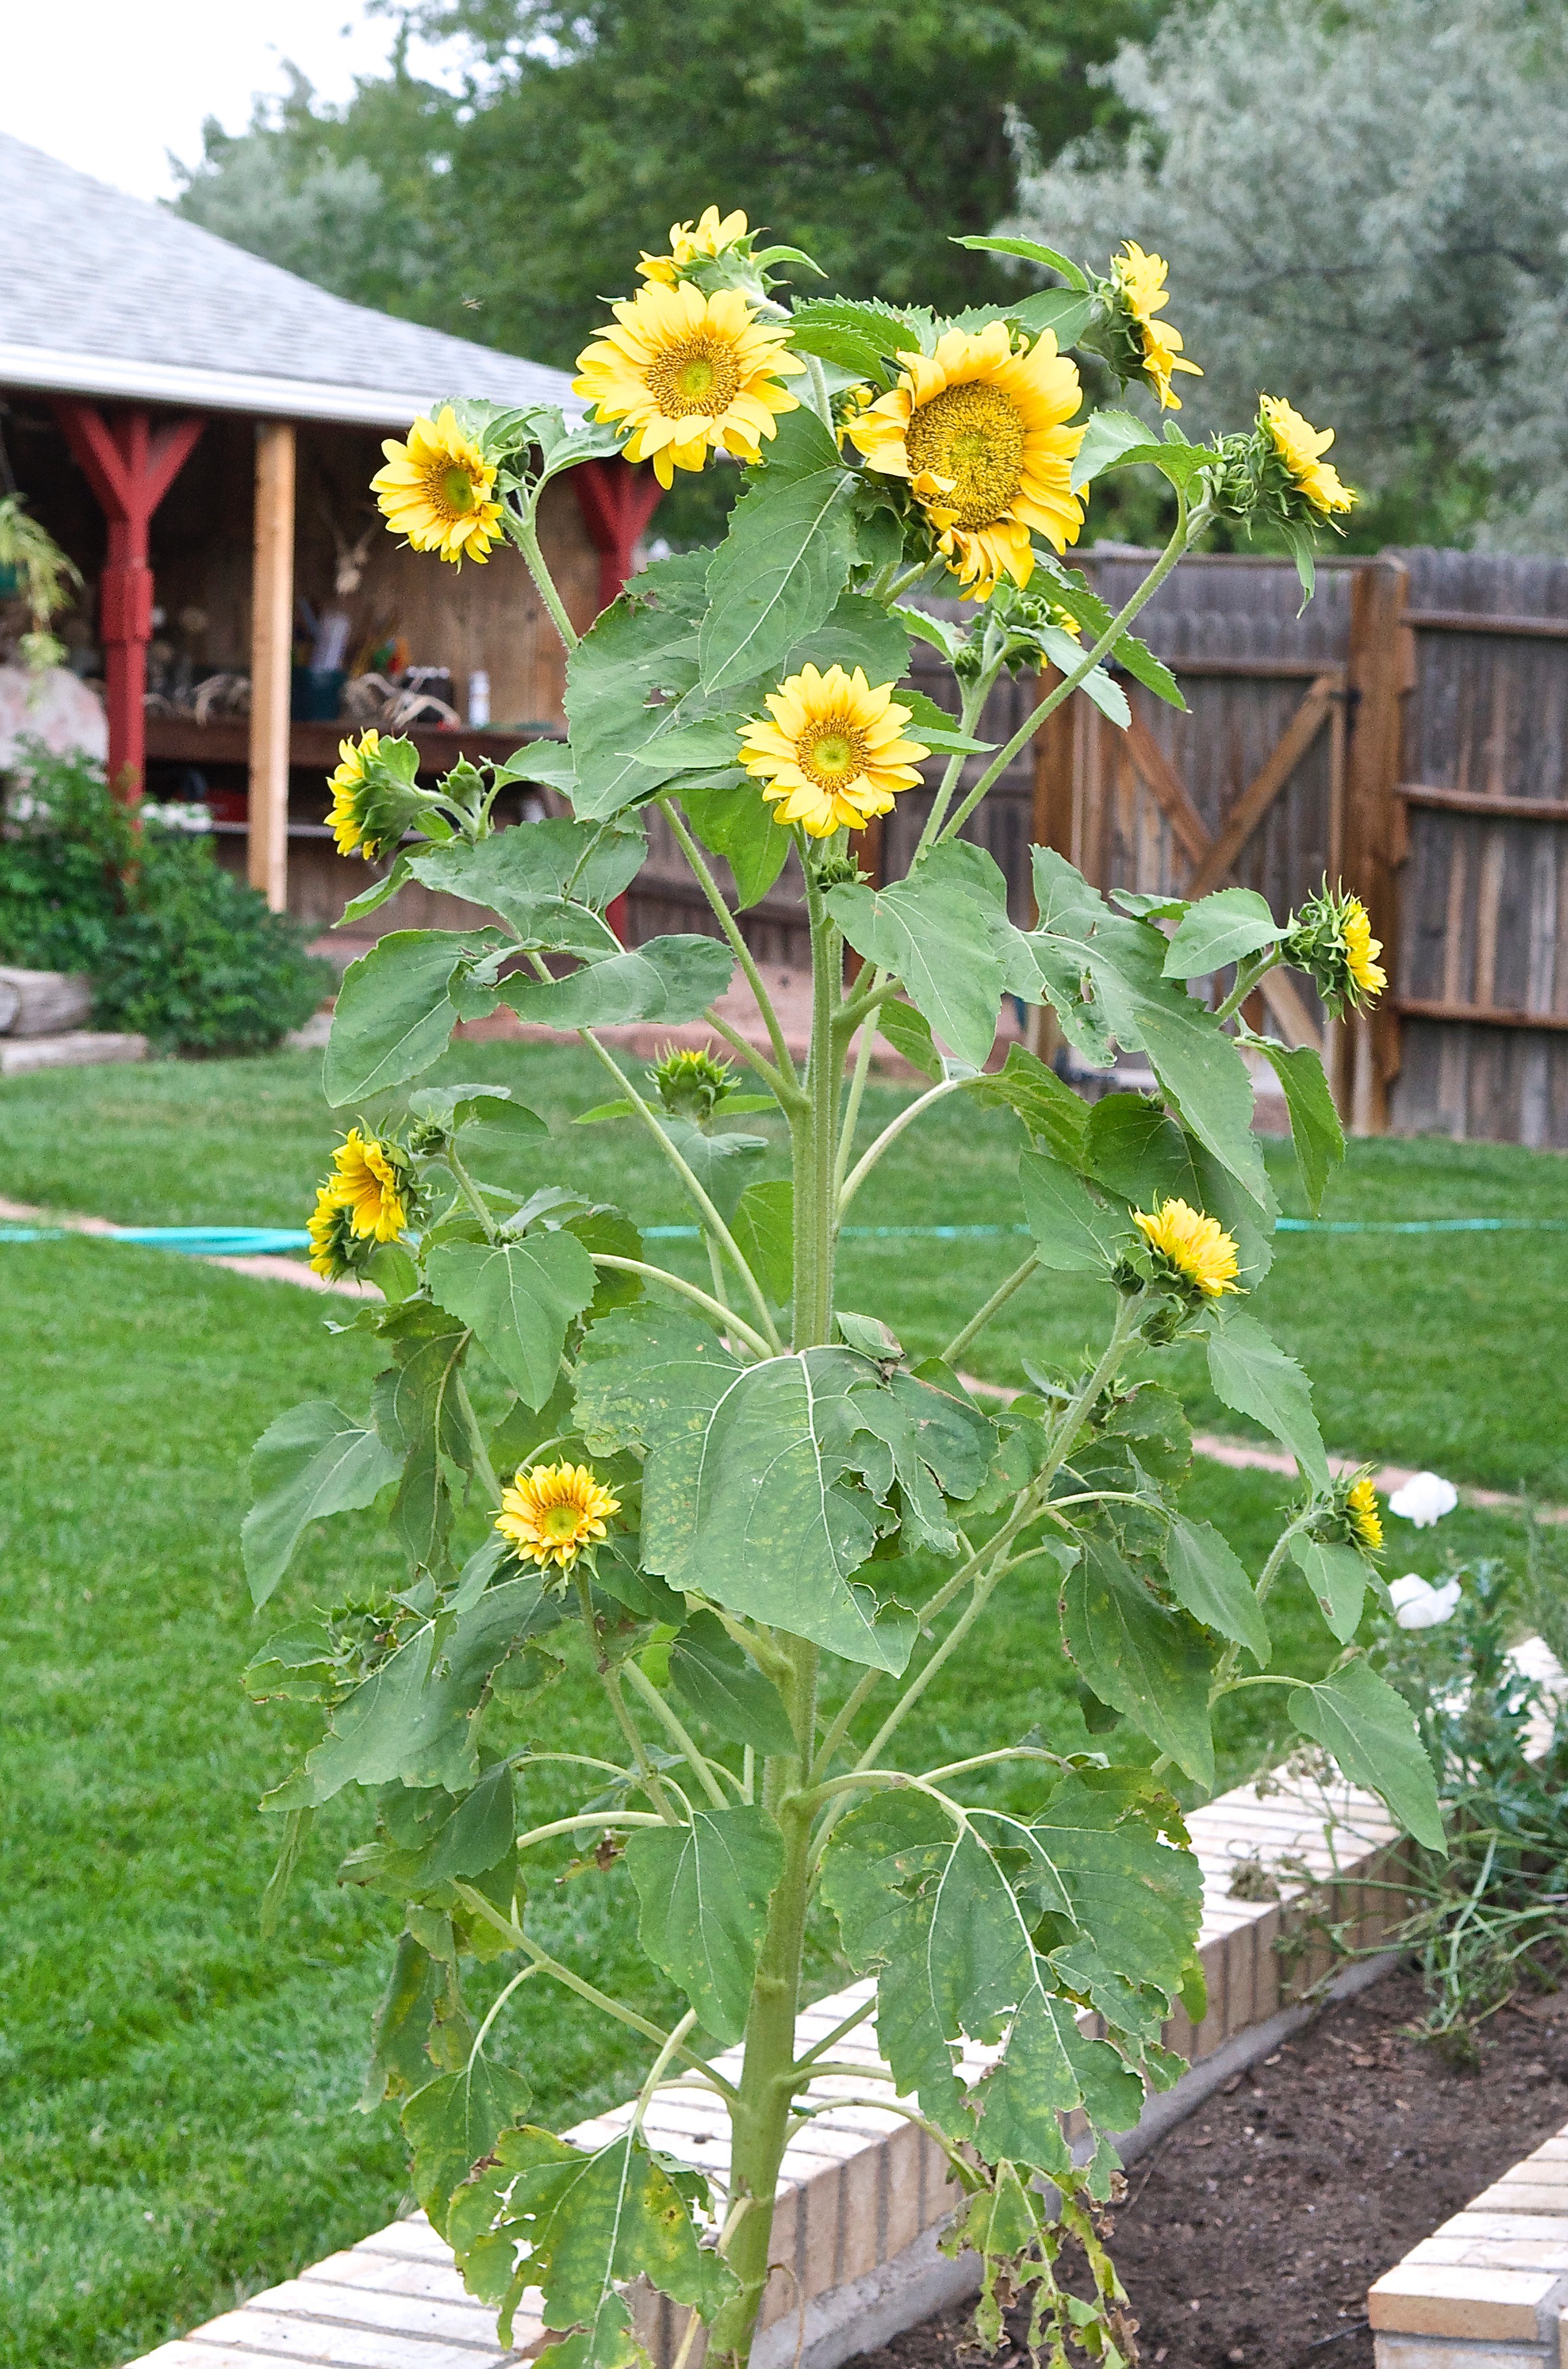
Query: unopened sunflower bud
(692, 1084)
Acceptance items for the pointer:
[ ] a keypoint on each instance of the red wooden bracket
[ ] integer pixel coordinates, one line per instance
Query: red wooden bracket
(130, 467)
(617, 501)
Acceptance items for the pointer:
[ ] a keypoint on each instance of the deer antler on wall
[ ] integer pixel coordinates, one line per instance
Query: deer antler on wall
(351, 556)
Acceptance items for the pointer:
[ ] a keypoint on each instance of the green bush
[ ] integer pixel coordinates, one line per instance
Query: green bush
(176, 948)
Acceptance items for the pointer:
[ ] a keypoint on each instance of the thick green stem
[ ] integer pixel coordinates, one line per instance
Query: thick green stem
(814, 1139)
(761, 2115)
(1150, 585)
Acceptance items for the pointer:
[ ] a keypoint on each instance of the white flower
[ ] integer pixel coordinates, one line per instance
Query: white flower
(1418, 1604)
(1425, 1499)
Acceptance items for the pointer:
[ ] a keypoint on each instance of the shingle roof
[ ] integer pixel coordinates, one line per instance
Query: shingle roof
(105, 294)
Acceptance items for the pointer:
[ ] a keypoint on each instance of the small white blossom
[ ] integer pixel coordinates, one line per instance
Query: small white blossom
(1418, 1605)
(1425, 1499)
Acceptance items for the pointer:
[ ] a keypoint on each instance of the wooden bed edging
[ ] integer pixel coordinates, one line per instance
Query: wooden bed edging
(863, 2200)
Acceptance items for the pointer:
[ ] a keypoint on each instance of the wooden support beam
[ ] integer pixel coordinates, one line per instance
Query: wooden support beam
(272, 649)
(1264, 787)
(1170, 793)
(1381, 658)
(1477, 802)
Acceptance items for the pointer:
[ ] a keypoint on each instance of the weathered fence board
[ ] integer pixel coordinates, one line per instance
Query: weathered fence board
(1408, 733)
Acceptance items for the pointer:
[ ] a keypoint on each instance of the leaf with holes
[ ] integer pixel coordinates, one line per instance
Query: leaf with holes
(1337, 1578)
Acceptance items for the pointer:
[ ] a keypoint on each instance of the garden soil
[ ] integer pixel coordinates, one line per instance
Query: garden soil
(1251, 2234)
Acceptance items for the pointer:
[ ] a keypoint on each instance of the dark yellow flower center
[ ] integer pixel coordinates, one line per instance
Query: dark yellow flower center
(700, 375)
(831, 752)
(974, 435)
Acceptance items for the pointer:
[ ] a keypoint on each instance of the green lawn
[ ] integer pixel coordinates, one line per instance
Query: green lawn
(177, 2123)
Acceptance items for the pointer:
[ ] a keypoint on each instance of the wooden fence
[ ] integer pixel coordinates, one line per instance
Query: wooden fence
(1408, 733)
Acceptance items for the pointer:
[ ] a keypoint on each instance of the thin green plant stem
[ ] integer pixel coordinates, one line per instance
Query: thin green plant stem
(627, 1724)
(525, 1974)
(890, 1134)
(731, 928)
(703, 1203)
(525, 535)
(841, 2030)
(482, 1464)
(983, 1589)
(749, 1053)
(545, 1964)
(1248, 976)
(656, 2075)
(971, 708)
(718, 1310)
(999, 1299)
(574, 1826)
(641, 1683)
(470, 1192)
(850, 1119)
(1173, 552)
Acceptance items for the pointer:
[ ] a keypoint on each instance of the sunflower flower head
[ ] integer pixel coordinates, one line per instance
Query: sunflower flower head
(1331, 938)
(1363, 1515)
(1135, 343)
(374, 796)
(551, 1513)
(1192, 1252)
(438, 489)
(687, 374)
(980, 433)
(695, 243)
(831, 752)
(334, 1249)
(1297, 448)
(690, 1083)
(367, 1200)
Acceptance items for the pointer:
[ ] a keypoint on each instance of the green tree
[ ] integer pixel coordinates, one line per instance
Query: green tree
(876, 129)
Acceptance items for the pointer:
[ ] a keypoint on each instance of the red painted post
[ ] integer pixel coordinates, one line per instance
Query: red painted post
(130, 468)
(617, 501)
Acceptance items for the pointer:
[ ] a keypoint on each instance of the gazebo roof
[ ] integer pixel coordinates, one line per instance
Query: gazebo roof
(103, 294)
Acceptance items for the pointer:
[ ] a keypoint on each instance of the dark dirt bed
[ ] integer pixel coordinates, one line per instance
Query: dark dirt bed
(1252, 2232)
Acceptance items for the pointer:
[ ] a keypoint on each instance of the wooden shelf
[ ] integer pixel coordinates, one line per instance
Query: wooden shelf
(312, 747)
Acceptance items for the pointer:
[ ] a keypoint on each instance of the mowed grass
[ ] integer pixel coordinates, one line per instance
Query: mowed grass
(177, 2123)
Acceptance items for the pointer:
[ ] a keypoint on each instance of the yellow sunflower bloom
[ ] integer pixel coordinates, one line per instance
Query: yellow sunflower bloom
(330, 1229)
(708, 236)
(689, 374)
(833, 755)
(1362, 1513)
(370, 1183)
(437, 490)
(551, 1514)
(981, 433)
(1140, 280)
(1199, 1249)
(348, 786)
(1362, 949)
(1300, 446)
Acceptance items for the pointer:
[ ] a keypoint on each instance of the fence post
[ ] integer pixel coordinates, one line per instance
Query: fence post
(1378, 673)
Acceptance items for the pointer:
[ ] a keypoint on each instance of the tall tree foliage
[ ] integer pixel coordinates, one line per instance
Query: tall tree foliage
(1366, 203)
(875, 129)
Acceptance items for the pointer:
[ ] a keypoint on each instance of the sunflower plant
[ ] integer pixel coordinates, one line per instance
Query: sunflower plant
(758, 1522)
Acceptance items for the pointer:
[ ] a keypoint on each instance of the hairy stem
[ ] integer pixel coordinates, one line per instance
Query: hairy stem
(731, 928)
(525, 535)
(999, 1298)
(1150, 585)
(717, 1309)
(640, 1683)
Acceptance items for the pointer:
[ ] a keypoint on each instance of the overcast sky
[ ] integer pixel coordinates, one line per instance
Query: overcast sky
(112, 85)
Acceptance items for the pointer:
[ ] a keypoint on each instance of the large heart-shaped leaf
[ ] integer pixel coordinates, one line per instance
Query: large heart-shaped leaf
(518, 1297)
(779, 571)
(312, 1462)
(703, 1890)
(394, 1014)
(668, 979)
